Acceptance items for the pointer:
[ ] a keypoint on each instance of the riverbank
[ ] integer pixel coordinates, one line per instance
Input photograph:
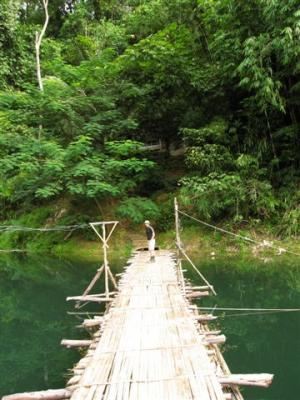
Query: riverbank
(198, 242)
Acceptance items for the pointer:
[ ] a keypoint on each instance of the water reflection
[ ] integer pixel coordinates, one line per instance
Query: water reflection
(261, 342)
(33, 320)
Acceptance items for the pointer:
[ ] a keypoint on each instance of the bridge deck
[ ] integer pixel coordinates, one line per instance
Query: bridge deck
(150, 346)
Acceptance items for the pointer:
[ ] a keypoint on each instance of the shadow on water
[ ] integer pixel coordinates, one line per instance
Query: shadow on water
(33, 320)
(262, 342)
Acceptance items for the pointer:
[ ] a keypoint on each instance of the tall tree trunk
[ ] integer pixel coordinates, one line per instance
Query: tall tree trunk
(38, 41)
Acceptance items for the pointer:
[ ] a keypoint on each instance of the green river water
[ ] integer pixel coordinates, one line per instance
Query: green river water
(33, 320)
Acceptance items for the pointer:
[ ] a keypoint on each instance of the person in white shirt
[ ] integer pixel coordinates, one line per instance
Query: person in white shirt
(150, 233)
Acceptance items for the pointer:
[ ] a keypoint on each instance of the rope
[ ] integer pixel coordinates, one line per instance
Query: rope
(264, 243)
(254, 311)
(249, 309)
(61, 228)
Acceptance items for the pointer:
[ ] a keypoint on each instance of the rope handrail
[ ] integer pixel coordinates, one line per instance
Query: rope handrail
(239, 311)
(250, 309)
(247, 239)
(63, 228)
(256, 313)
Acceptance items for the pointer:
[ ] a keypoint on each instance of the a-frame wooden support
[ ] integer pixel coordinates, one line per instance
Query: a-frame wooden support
(106, 230)
(104, 237)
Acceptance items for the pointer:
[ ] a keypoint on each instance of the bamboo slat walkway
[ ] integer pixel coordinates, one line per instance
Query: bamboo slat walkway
(151, 345)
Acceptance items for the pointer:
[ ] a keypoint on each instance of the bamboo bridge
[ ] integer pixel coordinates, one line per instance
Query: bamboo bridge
(151, 343)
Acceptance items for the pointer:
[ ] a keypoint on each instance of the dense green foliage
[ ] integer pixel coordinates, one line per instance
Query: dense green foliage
(221, 76)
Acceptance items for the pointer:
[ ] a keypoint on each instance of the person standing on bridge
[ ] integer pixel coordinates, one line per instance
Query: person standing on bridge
(150, 233)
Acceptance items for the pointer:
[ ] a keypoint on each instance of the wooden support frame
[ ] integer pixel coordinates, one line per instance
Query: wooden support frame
(106, 230)
(181, 250)
(104, 239)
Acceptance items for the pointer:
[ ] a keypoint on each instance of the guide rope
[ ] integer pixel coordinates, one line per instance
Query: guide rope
(249, 309)
(256, 313)
(62, 228)
(264, 243)
(253, 311)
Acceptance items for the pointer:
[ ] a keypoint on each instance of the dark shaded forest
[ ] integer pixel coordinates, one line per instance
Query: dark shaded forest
(217, 78)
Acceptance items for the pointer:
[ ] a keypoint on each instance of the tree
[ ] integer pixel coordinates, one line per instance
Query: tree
(162, 67)
(38, 42)
(222, 75)
(17, 63)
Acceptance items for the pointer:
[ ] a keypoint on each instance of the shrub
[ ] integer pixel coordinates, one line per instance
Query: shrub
(137, 209)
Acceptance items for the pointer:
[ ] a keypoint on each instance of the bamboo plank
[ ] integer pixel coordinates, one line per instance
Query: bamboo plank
(51, 394)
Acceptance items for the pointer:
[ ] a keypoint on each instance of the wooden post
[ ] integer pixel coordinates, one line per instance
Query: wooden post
(181, 250)
(92, 322)
(178, 245)
(177, 222)
(105, 260)
(51, 394)
(195, 295)
(260, 380)
(215, 339)
(75, 343)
